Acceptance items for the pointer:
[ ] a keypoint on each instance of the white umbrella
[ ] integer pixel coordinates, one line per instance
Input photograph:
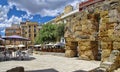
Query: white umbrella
(1, 46)
(37, 45)
(50, 44)
(9, 46)
(59, 44)
(21, 45)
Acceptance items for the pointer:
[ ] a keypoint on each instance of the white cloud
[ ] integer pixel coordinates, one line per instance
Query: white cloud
(4, 21)
(3, 31)
(8, 22)
(46, 12)
(14, 20)
(3, 16)
(3, 12)
(42, 7)
(27, 16)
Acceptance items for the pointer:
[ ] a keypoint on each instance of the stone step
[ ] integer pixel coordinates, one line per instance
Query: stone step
(106, 64)
(99, 70)
(102, 69)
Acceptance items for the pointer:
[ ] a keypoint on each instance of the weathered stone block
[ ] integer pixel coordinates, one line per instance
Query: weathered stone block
(103, 59)
(114, 16)
(116, 38)
(93, 38)
(84, 57)
(70, 53)
(103, 33)
(83, 48)
(110, 33)
(116, 45)
(71, 47)
(105, 20)
(88, 49)
(105, 38)
(104, 13)
(106, 45)
(106, 53)
(88, 53)
(78, 28)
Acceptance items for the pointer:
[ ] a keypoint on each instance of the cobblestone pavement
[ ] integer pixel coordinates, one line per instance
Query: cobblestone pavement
(50, 63)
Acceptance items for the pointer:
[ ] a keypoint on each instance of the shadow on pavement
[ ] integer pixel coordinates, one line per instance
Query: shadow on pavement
(23, 59)
(45, 70)
(16, 59)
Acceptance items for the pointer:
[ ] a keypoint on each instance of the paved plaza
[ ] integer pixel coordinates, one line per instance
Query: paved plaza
(50, 63)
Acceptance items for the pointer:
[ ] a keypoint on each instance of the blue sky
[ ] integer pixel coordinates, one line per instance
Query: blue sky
(41, 11)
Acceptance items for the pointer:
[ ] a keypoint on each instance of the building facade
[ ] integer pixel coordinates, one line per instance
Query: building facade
(26, 29)
(29, 30)
(13, 30)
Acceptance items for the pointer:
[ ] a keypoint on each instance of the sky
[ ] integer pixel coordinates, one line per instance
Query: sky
(41, 11)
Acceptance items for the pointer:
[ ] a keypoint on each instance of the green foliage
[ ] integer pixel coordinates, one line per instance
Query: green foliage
(50, 33)
(60, 31)
(46, 34)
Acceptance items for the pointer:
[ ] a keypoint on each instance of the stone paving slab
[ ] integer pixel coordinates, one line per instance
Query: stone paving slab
(50, 63)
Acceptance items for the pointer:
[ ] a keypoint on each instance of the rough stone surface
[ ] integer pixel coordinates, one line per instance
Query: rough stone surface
(98, 23)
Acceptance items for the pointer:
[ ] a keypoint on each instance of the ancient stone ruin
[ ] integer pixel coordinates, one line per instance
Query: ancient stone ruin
(95, 27)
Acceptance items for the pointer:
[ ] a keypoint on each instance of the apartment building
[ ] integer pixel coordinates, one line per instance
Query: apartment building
(13, 30)
(29, 30)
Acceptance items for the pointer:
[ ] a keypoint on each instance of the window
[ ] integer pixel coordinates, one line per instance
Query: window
(29, 30)
(14, 31)
(34, 30)
(29, 35)
(29, 26)
(35, 27)
(34, 35)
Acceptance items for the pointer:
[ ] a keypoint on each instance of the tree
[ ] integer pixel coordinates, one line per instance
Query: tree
(50, 33)
(60, 31)
(47, 34)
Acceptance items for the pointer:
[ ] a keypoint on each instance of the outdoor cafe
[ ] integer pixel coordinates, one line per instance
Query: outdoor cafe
(17, 52)
(51, 47)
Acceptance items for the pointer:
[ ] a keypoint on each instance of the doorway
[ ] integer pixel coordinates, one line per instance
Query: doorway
(75, 46)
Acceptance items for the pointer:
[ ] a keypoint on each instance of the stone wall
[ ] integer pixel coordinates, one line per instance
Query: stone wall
(88, 50)
(82, 28)
(99, 22)
(109, 29)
